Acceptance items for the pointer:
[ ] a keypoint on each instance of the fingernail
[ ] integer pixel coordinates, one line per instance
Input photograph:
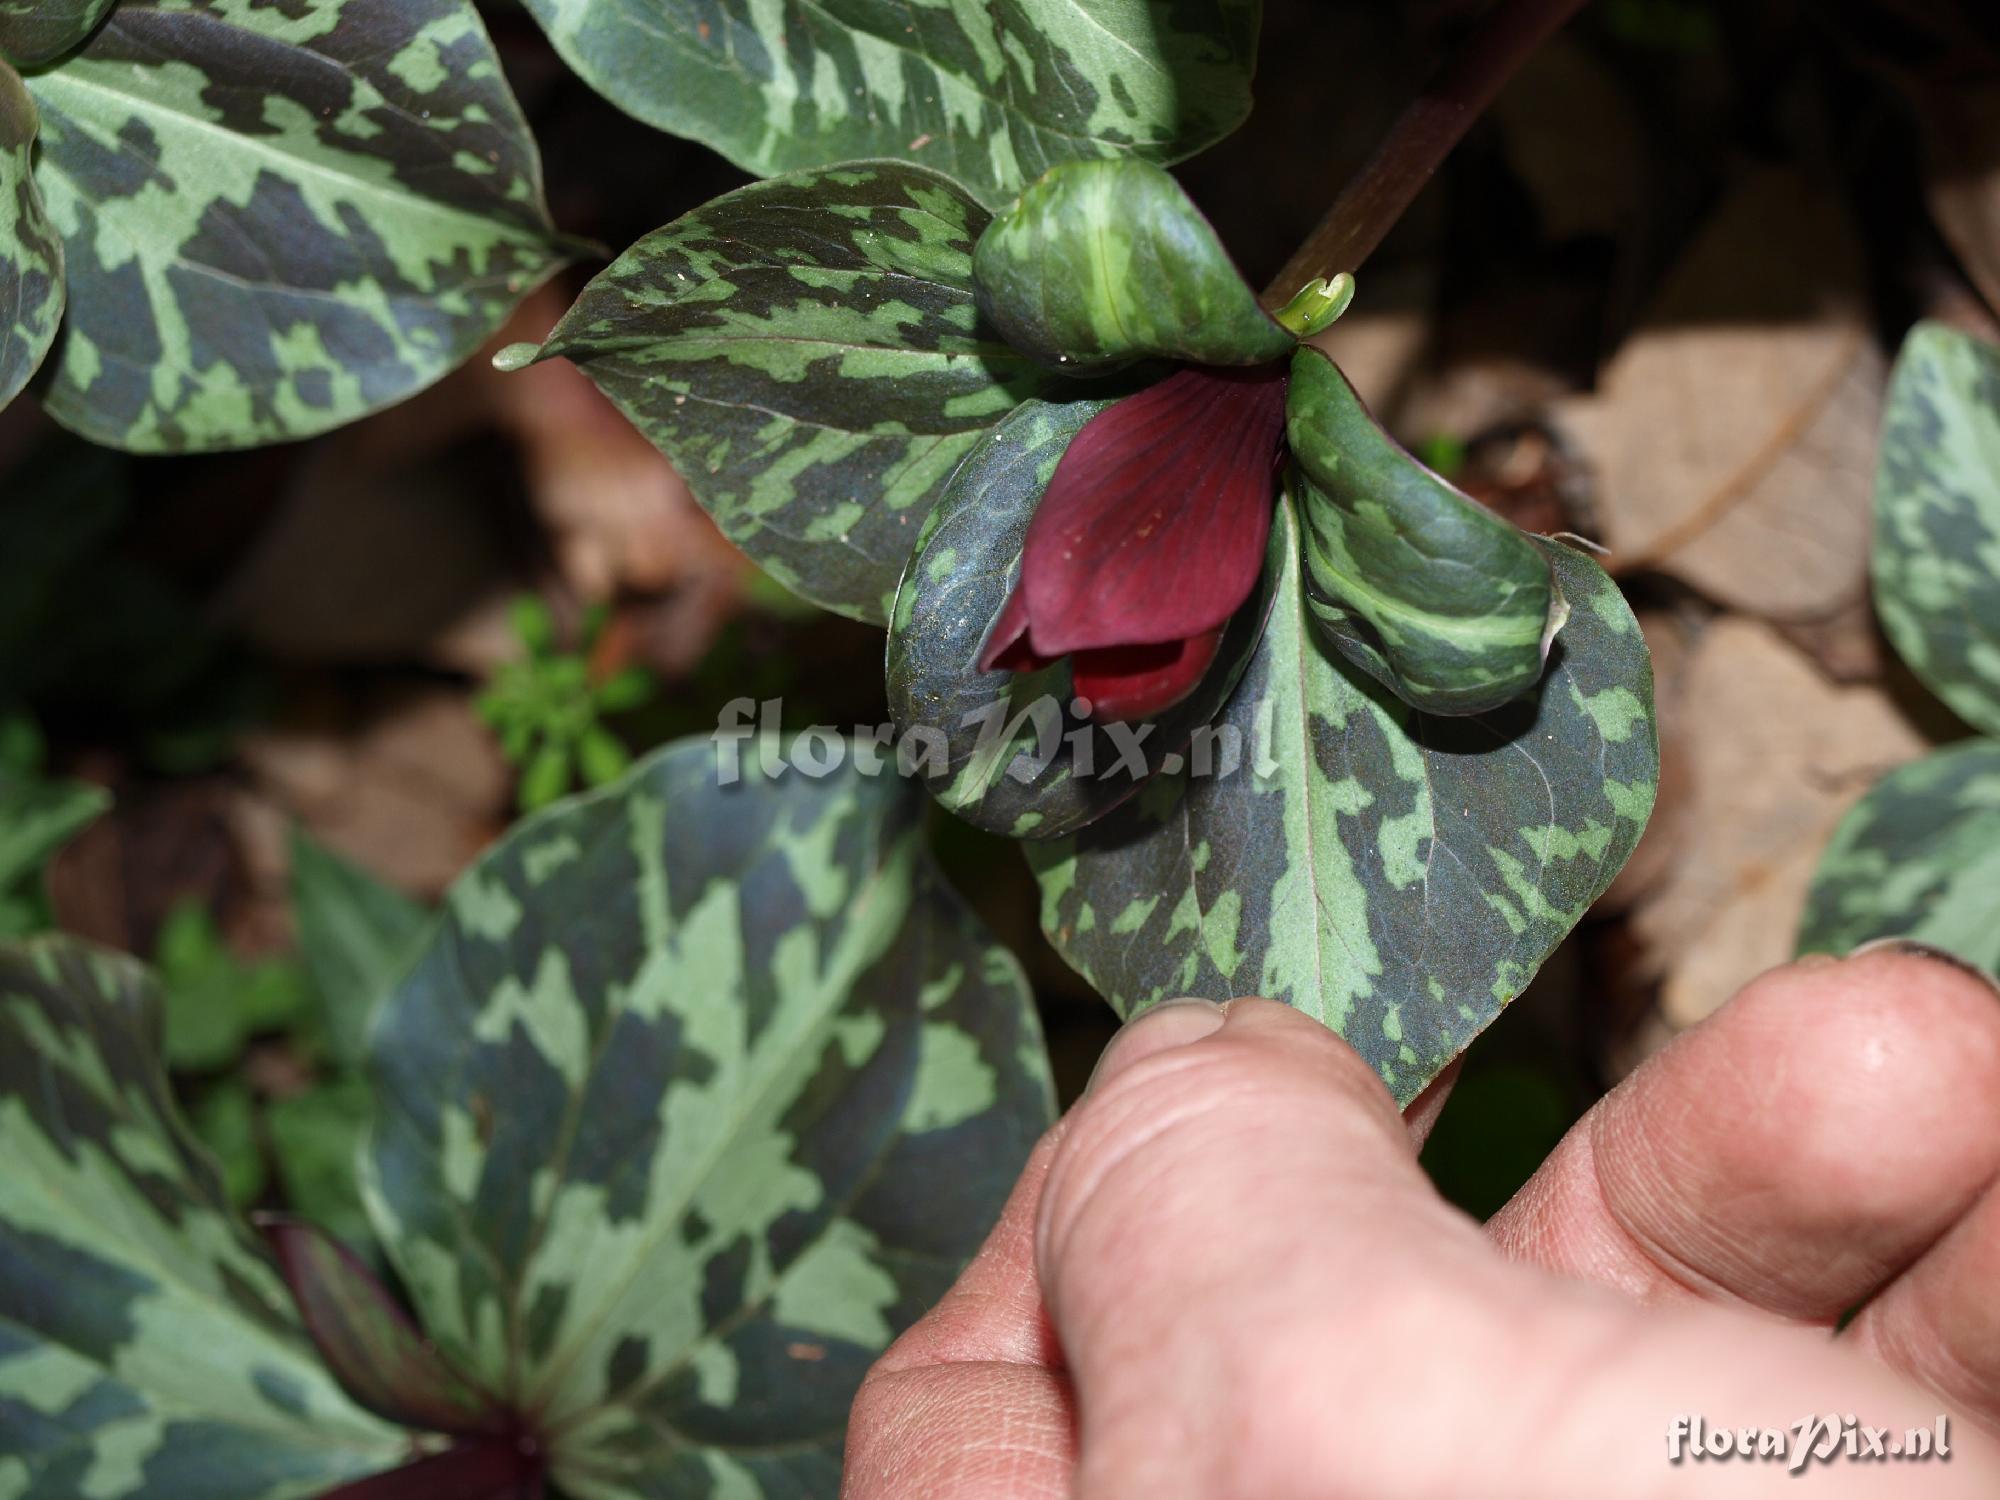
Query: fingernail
(1911, 948)
(1170, 1024)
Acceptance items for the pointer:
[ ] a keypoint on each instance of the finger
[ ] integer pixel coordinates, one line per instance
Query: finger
(1257, 1293)
(1793, 1152)
(1939, 1322)
(1226, 1176)
(969, 1403)
(1175, 1022)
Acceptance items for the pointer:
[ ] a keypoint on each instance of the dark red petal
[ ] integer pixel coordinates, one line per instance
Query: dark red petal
(1007, 648)
(1154, 524)
(1136, 682)
(373, 1348)
(497, 1468)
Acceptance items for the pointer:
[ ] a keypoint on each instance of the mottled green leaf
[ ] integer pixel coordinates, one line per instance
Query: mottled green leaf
(31, 269)
(1918, 857)
(278, 218)
(1936, 557)
(1427, 591)
(808, 354)
(147, 1345)
(356, 935)
(1002, 751)
(702, 1091)
(34, 32)
(1102, 263)
(992, 93)
(1397, 876)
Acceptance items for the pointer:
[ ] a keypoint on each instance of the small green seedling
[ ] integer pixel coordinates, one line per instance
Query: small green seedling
(548, 708)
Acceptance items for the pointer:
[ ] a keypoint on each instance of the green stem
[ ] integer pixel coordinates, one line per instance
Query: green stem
(1508, 34)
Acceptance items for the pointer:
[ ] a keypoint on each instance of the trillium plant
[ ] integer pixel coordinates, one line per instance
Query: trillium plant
(703, 1084)
(1919, 856)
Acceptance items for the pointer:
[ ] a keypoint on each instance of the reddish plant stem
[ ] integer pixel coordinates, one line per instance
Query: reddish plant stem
(1508, 34)
(501, 1467)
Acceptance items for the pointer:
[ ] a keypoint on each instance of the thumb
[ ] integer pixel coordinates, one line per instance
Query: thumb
(1235, 1183)
(1256, 1293)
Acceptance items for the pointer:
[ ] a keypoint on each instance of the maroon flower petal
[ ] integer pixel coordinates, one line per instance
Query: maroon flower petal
(1153, 526)
(1136, 682)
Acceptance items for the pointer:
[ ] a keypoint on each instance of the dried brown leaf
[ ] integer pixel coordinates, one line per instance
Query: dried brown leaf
(1734, 434)
(410, 784)
(619, 516)
(1773, 755)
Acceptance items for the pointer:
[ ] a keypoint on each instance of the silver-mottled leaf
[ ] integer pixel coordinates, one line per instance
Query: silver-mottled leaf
(31, 269)
(1918, 858)
(1936, 558)
(1446, 604)
(279, 218)
(34, 32)
(807, 352)
(1399, 877)
(993, 93)
(1102, 263)
(148, 1348)
(701, 1092)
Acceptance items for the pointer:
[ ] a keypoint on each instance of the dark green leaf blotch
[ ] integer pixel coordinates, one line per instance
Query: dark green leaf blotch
(146, 1340)
(993, 93)
(807, 352)
(280, 217)
(1917, 858)
(1417, 584)
(1102, 263)
(1936, 557)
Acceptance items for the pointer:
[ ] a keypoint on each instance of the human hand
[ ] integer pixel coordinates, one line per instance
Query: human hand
(1224, 1277)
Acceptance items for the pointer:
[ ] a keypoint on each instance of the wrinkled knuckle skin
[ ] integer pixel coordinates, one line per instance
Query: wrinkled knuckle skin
(1207, 1103)
(1153, 1109)
(1855, 1106)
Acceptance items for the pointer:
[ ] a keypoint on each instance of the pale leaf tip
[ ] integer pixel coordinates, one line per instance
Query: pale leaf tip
(516, 357)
